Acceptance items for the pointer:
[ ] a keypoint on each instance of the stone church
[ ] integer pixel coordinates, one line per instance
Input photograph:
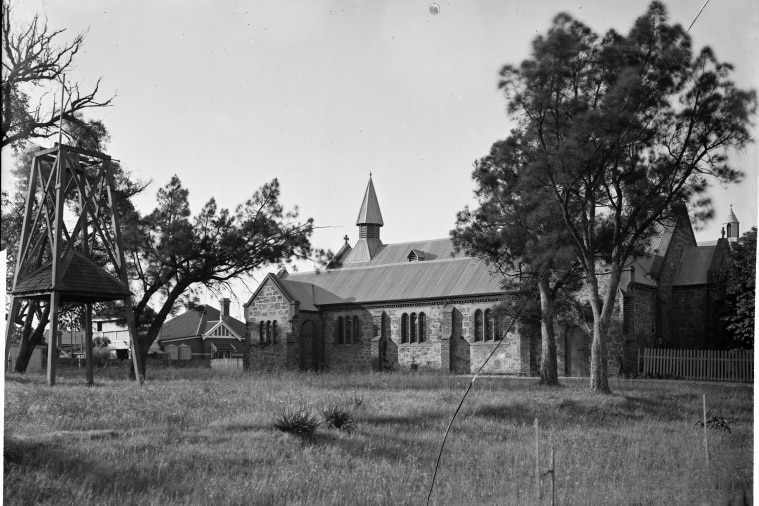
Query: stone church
(424, 305)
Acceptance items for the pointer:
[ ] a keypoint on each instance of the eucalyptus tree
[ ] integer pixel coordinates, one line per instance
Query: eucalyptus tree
(622, 129)
(517, 228)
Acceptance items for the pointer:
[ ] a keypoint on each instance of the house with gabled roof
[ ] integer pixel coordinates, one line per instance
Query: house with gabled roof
(209, 332)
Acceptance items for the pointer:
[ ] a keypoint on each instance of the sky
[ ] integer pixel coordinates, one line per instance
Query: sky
(231, 94)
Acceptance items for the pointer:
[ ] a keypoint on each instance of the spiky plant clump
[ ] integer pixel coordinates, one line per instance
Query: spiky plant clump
(295, 420)
(337, 416)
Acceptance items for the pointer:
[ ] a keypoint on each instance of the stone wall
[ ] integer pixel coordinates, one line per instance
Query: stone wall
(449, 342)
(644, 317)
(688, 313)
(350, 356)
(262, 353)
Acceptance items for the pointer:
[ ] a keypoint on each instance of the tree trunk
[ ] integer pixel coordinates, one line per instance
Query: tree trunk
(599, 377)
(548, 365)
(29, 339)
(602, 313)
(144, 342)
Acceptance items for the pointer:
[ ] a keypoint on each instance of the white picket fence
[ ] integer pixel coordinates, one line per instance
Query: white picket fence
(227, 363)
(707, 365)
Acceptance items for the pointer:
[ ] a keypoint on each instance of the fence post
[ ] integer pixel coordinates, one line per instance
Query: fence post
(537, 464)
(553, 478)
(706, 445)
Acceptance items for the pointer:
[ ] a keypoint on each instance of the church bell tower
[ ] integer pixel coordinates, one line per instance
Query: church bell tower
(730, 228)
(369, 222)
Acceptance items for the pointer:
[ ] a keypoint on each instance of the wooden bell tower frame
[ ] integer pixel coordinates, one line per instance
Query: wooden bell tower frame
(55, 263)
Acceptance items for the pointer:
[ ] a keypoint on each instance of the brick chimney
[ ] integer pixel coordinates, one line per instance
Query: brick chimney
(224, 307)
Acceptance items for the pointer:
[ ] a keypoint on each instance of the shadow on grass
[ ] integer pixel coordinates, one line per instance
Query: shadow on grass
(391, 448)
(586, 414)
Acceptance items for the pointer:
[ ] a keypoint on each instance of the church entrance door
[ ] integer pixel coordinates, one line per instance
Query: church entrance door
(575, 353)
(311, 347)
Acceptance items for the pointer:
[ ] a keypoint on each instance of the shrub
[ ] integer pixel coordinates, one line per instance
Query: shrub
(295, 420)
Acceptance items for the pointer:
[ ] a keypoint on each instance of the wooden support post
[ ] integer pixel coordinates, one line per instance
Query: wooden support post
(9, 326)
(88, 343)
(706, 444)
(52, 343)
(537, 464)
(553, 478)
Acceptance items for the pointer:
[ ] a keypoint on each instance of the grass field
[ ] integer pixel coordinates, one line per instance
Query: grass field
(206, 437)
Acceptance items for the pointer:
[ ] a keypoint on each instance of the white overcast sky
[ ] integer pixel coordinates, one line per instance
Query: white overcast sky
(231, 94)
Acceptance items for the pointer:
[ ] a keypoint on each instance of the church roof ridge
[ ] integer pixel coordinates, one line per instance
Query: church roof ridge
(367, 265)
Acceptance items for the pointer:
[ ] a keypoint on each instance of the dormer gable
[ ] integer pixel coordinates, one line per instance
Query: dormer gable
(415, 255)
(221, 329)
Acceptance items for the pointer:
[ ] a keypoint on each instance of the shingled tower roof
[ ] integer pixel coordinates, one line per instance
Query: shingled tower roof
(83, 281)
(370, 211)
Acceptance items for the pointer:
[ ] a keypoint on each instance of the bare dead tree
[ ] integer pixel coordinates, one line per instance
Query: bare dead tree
(33, 57)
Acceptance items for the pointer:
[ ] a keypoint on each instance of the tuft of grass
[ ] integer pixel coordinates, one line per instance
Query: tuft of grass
(298, 420)
(337, 416)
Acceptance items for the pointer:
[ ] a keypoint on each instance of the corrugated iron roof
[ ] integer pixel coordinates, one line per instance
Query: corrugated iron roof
(364, 251)
(694, 265)
(451, 277)
(197, 321)
(436, 249)
(308, 294)
(83, 281)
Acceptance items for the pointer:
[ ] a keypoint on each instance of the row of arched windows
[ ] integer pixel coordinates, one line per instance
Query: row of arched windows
(348, 330)
(486, 326)
(268, 332)
(413, 328)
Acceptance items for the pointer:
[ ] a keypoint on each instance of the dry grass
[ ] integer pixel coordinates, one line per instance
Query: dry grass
(206, 437)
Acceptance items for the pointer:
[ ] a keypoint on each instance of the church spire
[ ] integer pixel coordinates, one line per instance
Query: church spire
(369, 222)
(731, 226)
(370, 214)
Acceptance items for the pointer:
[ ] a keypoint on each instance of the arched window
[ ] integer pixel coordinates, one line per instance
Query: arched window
(274, 331)
(340, 331)
(413, 327)
(497, 328)
(422, 327)
(478, 325)
(262, 332)
(356, 330)
(404, 328)
(729, 228)
(348, 330)
(488, 325)
(268, 331)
